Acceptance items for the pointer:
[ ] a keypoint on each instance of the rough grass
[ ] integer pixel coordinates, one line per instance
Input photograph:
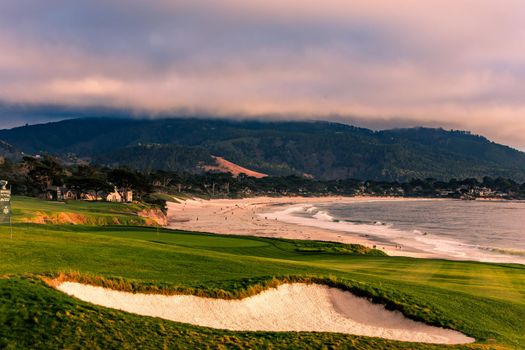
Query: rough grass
(167, 197)
(337, 248)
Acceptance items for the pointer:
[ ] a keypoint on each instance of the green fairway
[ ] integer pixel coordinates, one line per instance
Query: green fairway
(485, 301)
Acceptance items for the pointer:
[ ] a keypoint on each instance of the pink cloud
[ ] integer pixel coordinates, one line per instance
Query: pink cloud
(428, 62)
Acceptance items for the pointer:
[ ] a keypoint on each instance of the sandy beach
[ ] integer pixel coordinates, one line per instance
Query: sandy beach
(266, 217)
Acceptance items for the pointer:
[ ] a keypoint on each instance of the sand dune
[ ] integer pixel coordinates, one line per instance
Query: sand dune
(290, 307)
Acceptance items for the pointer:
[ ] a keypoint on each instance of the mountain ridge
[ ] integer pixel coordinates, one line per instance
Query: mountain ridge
(327, 150)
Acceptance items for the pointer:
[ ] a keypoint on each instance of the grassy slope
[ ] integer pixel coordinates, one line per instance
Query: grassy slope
(92, 213)
(486, 301)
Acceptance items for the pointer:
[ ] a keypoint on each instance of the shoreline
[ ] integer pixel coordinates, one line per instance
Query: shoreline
(256, 216)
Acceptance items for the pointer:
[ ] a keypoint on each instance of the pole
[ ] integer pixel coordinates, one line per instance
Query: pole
(10, 214)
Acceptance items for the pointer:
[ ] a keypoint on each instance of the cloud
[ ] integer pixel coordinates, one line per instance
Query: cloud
(455, 64)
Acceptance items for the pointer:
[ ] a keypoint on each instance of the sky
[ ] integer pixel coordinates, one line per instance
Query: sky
(456, 64)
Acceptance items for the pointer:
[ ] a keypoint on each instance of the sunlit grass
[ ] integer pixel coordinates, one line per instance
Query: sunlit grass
(486, 301)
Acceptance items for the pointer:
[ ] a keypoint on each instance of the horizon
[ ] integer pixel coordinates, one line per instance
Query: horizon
(378, 65)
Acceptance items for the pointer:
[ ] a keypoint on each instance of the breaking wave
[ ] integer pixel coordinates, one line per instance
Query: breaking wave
(382, 233)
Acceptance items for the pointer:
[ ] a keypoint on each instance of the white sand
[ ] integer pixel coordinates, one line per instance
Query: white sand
(290, 307)
(259, 216)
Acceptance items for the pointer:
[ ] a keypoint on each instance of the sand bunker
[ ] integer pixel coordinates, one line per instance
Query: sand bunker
(290, 307)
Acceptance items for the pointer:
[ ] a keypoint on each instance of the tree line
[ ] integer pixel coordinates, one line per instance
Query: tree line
(32, 176)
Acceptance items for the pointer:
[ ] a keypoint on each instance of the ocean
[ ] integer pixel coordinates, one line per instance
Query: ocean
(490, 231)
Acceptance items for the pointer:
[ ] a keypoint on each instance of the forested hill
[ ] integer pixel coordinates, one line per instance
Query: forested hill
(321, 149)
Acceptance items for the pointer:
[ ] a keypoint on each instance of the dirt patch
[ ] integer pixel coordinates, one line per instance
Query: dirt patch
(225, 166)
(154, 217)
(38, 218)
(62, 218)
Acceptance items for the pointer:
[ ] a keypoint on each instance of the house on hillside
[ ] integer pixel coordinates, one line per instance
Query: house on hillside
(120, 196)
(127, 196)
(114, 196)
(60, 193)
(91, 196)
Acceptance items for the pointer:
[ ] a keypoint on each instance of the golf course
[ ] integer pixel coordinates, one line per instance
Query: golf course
(485, 301)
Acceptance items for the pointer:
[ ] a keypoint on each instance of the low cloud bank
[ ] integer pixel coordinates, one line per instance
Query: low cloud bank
(404, 63)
